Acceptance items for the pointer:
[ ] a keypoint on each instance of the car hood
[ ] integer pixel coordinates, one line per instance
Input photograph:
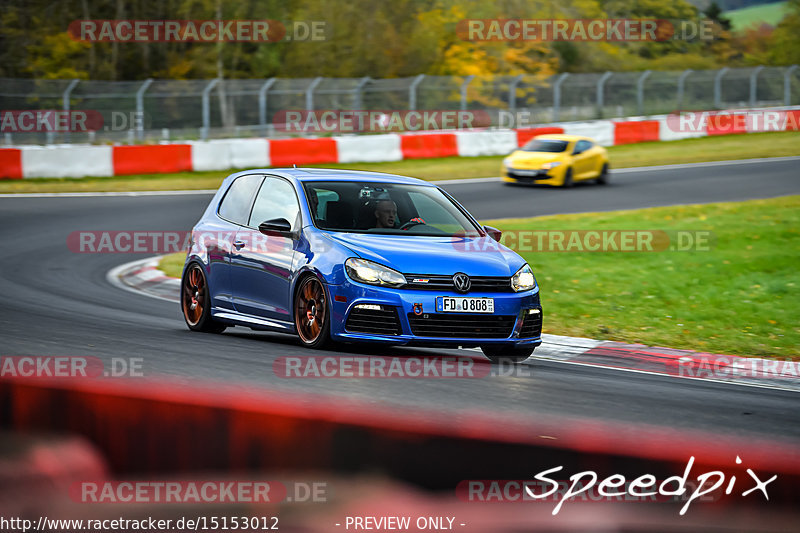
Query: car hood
(475, 256)
(526, 159)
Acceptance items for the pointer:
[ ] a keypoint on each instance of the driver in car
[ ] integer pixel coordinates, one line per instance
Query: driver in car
(385, 214)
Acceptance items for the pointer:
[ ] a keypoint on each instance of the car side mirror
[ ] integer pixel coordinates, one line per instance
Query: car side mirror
(279, 226)
(494, 233)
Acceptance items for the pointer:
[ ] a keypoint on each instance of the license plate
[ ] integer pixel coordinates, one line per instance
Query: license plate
(448, 304)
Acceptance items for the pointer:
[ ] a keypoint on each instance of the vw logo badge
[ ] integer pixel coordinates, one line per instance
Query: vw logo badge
(461, 282)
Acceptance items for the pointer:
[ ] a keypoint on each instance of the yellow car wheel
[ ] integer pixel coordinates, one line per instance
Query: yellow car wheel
(602, 179)
(567, 179)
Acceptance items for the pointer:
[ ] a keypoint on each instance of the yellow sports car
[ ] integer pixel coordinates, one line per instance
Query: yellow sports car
(557, 159)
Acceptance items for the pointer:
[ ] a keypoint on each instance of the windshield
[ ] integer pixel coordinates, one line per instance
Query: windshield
(385, 208)
(545, 145)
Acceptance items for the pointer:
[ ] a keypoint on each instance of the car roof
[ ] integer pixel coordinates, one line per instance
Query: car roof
(328, 174)
(562, 137)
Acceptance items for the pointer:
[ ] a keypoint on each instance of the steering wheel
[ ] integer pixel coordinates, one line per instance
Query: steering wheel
(411, 223)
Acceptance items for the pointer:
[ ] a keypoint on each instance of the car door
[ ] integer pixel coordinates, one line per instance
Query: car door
(581, 159)
(261, 265)
(594, 157)
(217, 238)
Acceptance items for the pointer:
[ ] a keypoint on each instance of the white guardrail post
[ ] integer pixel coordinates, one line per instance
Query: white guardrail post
(66, 104)
(207, 107)
(140, 108)
(262, 104)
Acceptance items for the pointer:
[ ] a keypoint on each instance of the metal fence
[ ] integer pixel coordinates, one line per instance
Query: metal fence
(152, 110)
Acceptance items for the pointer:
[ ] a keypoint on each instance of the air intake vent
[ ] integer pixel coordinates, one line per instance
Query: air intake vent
(461, 326)
(531, 324)
(374, 320)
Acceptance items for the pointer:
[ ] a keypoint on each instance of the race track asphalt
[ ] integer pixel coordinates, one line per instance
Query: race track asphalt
(56, 302)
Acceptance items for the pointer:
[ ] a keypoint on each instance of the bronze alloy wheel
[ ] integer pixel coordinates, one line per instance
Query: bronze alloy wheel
(194, 289)
(195, 301)
(311, 312)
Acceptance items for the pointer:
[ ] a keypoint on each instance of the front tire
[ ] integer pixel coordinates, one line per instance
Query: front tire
(312, 313)
(501, 354)
(196, 301)
(567, 179)
(602, 179)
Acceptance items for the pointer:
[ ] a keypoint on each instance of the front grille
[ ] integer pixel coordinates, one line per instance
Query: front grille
(445, 283)
(461, 325)
(538, 176)
(384, 321)
(531, 326)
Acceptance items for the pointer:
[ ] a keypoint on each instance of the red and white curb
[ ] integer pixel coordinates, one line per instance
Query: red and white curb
(703, 366)
(144, 277)
(78, 161)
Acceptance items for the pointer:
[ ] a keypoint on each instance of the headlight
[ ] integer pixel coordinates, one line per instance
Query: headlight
(507, 162)
(373, 273)
(548, 166)
(523, 280)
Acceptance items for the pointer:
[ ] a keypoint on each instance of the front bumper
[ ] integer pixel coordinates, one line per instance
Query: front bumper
(553, 176)
(513, 306)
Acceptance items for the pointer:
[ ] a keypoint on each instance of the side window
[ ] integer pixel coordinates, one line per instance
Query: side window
(324, 196)
(235, 207)
(582, 146)
(276, 199)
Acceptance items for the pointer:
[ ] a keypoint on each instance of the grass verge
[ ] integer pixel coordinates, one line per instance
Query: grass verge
(742, 297)
(172, 264)
(632, 155)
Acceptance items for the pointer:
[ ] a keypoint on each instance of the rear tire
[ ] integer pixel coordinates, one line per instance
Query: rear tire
(567, 179)
(196, 301)
(499, 354)
(602, 179)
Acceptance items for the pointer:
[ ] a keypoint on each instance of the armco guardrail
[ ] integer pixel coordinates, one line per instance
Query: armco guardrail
(160, 109)
(85, 160)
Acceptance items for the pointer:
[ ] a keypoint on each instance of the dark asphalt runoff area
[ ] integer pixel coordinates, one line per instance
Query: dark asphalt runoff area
(56, 302)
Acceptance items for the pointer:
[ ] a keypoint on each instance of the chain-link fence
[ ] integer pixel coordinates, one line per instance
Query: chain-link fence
(153, 110)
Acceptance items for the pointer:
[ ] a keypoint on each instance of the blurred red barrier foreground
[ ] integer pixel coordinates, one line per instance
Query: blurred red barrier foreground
(165, 428)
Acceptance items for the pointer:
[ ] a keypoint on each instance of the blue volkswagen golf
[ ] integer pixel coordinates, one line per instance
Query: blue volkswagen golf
(350, 256)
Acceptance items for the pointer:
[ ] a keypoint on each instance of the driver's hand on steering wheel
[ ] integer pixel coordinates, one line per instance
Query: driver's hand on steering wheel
(411, 223)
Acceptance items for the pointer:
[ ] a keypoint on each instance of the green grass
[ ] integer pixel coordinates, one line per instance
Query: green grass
(632, 155)
(172, 264)
(741, 297)
(755, 15)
